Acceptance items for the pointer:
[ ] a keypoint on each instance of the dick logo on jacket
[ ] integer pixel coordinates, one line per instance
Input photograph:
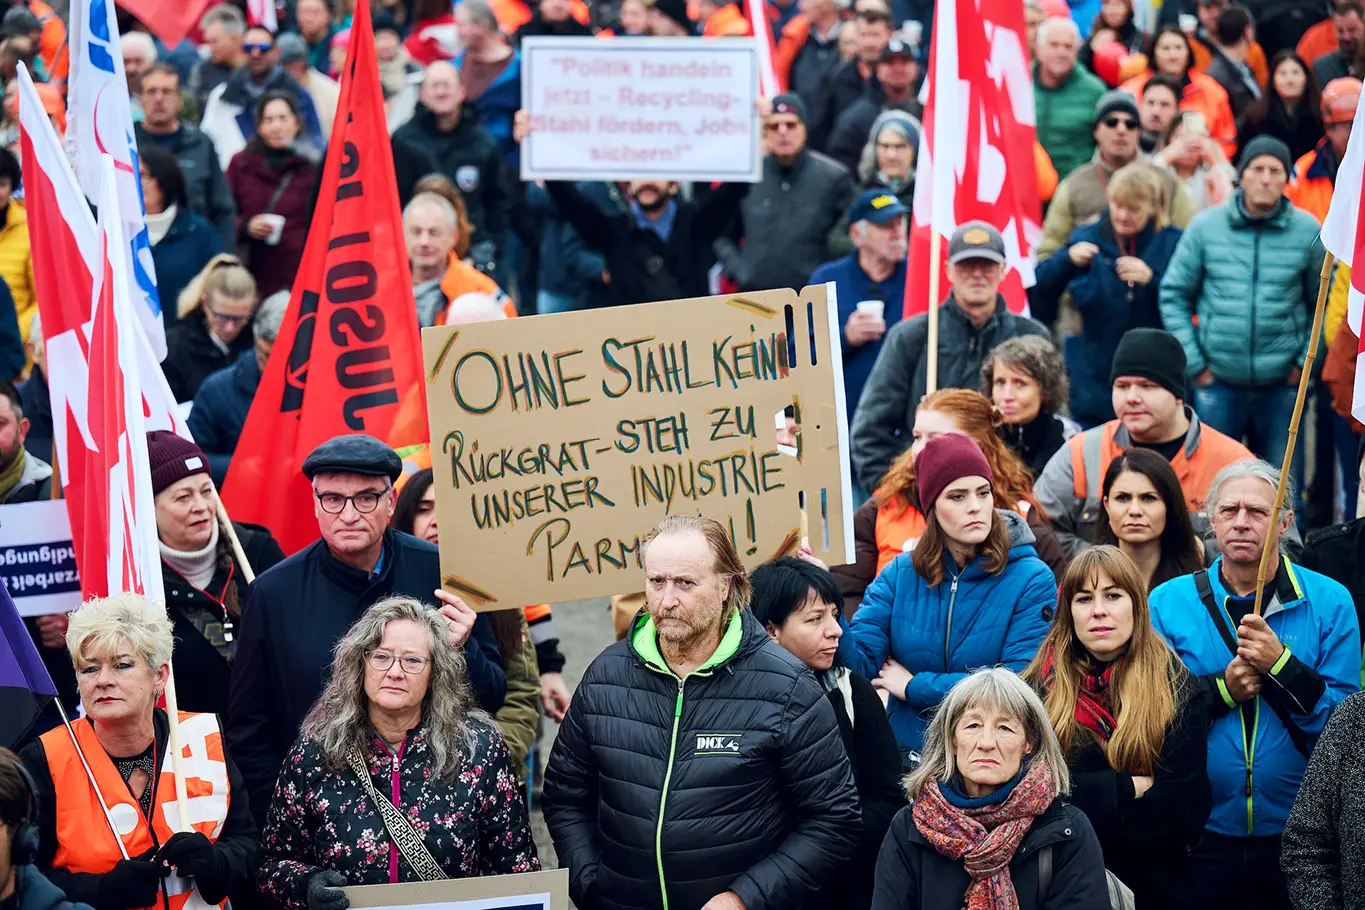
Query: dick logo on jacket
(718, 743)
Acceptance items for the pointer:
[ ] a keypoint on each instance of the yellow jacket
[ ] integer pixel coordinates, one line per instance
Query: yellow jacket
(16, 264)
(1336, 302)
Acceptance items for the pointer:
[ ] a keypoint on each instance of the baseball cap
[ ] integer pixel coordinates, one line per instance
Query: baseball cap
(976, 240)
(876, 206)
(897, 47)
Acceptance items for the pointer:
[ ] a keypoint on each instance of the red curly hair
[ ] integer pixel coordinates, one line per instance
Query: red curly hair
(977, 418)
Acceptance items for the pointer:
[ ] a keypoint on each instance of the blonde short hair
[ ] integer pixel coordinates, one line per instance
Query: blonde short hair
(1139, 183)
(101, 624)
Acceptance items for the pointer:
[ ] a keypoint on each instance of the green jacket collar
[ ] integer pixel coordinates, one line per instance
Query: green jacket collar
(645, 640)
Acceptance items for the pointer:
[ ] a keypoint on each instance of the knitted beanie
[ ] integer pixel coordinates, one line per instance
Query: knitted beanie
(173, 458)
(944, 460)
(1266, 145)
(1151, 354)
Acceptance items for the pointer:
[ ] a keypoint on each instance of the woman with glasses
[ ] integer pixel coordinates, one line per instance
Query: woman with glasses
(183, 241)
(396, 776)
(214, 327)
(204, 583)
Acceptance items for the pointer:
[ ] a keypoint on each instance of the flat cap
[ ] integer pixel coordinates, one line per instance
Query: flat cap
(354, 453)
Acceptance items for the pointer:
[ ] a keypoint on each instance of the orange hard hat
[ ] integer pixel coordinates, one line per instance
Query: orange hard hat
(1339, 100)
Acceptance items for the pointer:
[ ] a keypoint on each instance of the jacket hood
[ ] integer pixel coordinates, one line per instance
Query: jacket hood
(1021, 535)
(35, 892)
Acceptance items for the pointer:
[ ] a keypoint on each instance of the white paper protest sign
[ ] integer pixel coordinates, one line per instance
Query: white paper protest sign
(641, 109)
(37, 559)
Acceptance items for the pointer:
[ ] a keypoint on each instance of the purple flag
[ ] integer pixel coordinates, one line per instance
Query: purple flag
(25, 686)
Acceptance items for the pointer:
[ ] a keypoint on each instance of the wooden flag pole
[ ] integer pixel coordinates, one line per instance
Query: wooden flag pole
(1268, 553)
(225, 525)
(173, 715)
(91, 776)
(935, 268)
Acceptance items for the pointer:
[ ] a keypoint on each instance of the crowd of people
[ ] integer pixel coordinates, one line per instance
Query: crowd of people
(1050, 678)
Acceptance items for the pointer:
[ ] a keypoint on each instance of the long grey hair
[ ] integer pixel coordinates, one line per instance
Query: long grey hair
(997, 687)
(339, 719)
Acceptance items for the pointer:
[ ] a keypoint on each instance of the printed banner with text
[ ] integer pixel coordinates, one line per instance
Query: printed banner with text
(559, 441)
(641, 109)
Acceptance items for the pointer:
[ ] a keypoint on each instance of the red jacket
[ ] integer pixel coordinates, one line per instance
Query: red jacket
(254, 184)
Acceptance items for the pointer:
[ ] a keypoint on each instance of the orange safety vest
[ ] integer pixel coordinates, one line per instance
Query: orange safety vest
(1312, 194)
(462, 278)
(1093, 450)
(84, 842)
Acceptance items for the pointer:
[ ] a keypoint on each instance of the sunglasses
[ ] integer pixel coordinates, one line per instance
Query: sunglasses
(258, 48)
(1115, 122)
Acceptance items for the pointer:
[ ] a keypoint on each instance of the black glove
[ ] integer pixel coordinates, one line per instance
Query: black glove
(194, 856)
(324, 891)
(131, 883)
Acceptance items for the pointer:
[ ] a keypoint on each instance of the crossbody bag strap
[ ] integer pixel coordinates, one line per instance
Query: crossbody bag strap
(408, 841)
(1205, 589)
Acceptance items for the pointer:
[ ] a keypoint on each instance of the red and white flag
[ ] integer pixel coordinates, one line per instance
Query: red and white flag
(976, 147)
(68, 264)
(262, 13)
(1343, 234)
(119, 499)
(757, 14)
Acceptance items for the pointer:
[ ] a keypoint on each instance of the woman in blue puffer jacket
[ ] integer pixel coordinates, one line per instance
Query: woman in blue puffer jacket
(1112, 269)
(973, 593)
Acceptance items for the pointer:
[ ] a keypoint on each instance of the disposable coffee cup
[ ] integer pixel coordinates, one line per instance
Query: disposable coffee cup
(1189, 23)
(873, 307)
(914, 31)
(276, 223)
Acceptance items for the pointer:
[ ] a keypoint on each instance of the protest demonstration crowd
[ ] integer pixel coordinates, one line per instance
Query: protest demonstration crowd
(1092, 635)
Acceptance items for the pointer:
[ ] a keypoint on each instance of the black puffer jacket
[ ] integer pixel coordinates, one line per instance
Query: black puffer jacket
(732, 779)
(912, 875)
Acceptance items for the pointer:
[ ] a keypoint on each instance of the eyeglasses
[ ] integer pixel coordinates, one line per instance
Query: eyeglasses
(383, 660)
(225, 317)
(258, 48)
(780, 125)
(365, 501)
(1115, 122)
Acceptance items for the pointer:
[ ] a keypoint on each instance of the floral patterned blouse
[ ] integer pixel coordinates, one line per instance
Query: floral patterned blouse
(320, 819)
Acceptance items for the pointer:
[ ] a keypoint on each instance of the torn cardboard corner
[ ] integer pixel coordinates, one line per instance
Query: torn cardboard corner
(559, 441)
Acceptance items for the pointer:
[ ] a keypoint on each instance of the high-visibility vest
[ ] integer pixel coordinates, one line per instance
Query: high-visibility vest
(84, 841)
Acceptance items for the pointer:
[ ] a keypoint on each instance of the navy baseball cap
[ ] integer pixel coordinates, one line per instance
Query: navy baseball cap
(876, 206)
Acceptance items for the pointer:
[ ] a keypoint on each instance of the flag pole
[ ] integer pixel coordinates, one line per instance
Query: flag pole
(1268, 553)
(225, 524)
(173, 715)
(935, 269)
(91, 776)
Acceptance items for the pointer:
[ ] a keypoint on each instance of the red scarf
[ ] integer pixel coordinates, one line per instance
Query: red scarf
(1092, 701)
(986, 839)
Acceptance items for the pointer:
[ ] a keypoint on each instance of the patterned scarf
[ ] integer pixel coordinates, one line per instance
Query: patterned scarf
(986, 838)
(1092, 701)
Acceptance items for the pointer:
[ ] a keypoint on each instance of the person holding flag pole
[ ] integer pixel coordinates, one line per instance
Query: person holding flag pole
(160, 778)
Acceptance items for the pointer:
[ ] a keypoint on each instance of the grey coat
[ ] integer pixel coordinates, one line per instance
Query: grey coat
(886, 412)
(1323, 850)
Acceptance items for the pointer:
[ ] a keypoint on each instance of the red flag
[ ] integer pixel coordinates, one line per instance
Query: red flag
(348, 358)
(170, 22)
(976, 148)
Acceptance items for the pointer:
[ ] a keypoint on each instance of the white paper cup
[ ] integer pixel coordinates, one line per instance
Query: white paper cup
(276, 228)
(875, 307)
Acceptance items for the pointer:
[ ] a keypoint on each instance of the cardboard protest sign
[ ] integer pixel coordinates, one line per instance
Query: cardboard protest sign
(38, 559)
(640, 109)
(547, 890)
(559, 441)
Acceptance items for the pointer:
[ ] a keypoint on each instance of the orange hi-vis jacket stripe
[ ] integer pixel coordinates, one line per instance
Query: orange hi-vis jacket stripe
(84, 841)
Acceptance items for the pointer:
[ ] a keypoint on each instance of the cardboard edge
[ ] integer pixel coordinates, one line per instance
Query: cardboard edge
(555, 881)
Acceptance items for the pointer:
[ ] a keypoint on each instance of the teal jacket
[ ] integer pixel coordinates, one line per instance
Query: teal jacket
(1252, 282)
(1066, 118)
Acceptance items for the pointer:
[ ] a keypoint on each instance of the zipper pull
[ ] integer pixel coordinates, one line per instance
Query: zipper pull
(677, 710)
(1248, 780)
(953, 590)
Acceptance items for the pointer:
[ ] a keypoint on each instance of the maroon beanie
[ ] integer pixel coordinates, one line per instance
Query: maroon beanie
(173, 458)
(944, 460)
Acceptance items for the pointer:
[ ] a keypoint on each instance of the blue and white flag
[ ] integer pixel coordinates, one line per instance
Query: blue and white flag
(99, 121)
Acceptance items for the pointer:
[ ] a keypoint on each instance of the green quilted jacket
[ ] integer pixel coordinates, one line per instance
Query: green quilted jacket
(1251, 283)
(1066, 118)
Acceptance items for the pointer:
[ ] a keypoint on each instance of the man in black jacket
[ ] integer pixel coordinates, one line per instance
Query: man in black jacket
(893, 89)
(699, 765)
(971, 322)
(296, 612)
(161, 125)
(786, 217)
(447, 127)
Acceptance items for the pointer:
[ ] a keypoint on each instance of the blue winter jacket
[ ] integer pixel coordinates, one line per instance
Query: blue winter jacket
(220, 409)
(1108, 307)
(852, 285)
(1252, 282)
(497, 106)
(1083, 12)
(940, 634)
(1314, 619)
(568, 266)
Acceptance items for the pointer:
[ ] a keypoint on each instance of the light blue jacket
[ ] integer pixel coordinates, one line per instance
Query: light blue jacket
(1254, 783)
(1253, 283)
(940, 634)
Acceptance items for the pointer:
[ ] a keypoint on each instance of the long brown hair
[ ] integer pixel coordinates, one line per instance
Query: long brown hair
(927, 557)
(1143, 697)
(975, 416)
